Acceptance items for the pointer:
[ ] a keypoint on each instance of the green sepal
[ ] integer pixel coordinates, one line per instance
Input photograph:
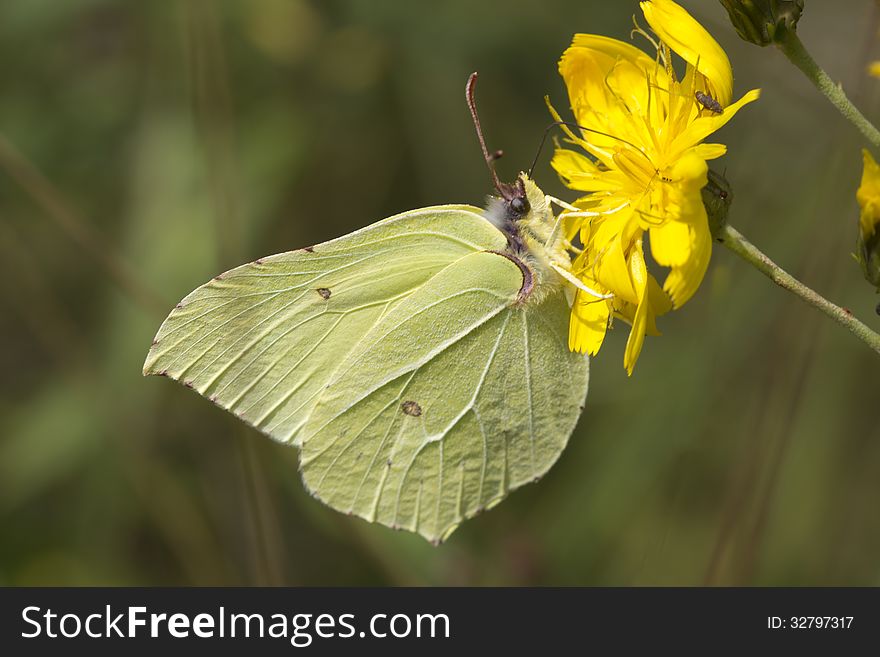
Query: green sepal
(717, 197)
(868, 256)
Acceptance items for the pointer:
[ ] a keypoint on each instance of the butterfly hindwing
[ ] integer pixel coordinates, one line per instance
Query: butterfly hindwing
(262, 340)
(457, 396)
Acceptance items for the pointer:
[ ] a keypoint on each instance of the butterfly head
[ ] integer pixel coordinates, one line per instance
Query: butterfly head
(512, 206)
(515, 199)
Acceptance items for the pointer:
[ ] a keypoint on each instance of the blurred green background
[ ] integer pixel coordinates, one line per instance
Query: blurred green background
(146, 146)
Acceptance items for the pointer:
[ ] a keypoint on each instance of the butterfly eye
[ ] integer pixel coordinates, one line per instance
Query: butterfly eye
(519, 206)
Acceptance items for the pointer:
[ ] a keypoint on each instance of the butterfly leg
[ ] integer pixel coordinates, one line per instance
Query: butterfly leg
(567, 275)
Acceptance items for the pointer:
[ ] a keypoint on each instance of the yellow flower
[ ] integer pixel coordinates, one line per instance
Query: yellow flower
(868, 196)
(642, 128)
(874, 69)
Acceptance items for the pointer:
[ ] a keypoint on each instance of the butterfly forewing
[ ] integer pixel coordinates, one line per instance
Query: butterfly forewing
(262, 340)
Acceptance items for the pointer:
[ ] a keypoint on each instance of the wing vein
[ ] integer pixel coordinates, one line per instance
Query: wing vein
(485, 461)
(455, 421)
(528, 372)
(443, 346)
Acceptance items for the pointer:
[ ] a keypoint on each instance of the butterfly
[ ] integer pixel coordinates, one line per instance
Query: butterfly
(420, 364)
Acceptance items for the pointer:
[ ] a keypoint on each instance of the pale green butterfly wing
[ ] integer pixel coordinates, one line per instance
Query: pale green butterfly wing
(263, 339)
(457, 395)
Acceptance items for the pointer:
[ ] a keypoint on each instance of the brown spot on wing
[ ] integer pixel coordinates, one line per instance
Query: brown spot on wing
(411, 408)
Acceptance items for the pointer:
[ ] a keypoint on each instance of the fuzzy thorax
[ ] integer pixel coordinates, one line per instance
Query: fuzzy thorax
(534, 238)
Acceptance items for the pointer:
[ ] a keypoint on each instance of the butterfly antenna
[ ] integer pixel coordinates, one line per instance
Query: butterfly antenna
(541, 147)
(489, 157)
(579, 127)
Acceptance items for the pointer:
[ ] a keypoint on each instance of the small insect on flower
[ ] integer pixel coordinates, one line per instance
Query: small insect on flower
(420, 363)
(708, 102)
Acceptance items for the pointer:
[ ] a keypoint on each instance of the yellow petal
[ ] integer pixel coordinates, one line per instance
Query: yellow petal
(710, 151)
(636, 338)
(613, 49)
(690, 173)
(588, 324)
(671, 243)
(566, 160)
(704, 126)
(614, 274)
(640, 320)
(608, 89)
(574, 226)
(600, 153)
(578, 172)
(624, 310)
(612, 228)
(868, 195)
(638, 270)
(684, 280)
(869, 189)
(874, 69)
(583, 69)
(681, 32)
(635, 166)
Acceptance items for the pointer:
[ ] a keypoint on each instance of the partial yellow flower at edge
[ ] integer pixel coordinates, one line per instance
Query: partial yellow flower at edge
(642, 171)
(868, 196)
(874, 69)
(868, 241)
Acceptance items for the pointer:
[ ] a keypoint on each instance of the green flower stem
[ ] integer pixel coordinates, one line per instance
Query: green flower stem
(734, 240)
(789, 43)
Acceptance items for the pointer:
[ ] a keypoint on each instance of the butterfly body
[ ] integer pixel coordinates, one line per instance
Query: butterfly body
(532, 234)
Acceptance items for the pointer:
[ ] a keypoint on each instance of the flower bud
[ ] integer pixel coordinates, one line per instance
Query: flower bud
(868, 243)
(868, 255)
(762, 21)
